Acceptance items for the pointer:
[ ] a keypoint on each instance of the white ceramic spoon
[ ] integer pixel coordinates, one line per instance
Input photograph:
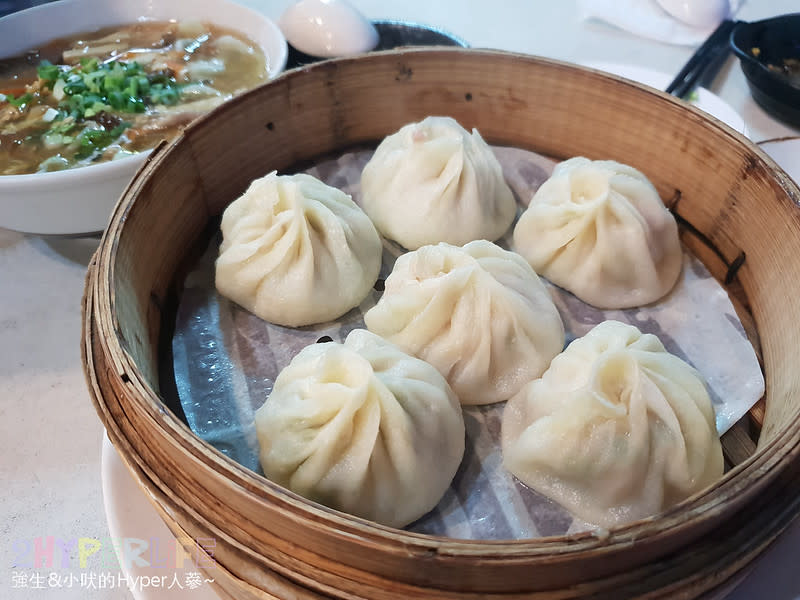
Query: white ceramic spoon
(327, 28)
(697, 13)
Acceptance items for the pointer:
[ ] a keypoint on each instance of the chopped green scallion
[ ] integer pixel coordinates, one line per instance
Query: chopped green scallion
(18, 102)
(92, 87)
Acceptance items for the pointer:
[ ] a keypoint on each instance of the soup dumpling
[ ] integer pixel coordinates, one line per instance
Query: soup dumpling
(617, 429)
(600, 230)
(478, 313)
(433, 182)
(364, 428)
(296, 251)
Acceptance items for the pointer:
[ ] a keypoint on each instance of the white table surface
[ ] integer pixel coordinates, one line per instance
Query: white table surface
(49, 464)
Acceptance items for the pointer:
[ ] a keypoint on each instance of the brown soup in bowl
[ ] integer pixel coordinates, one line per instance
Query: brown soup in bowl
(107, 94)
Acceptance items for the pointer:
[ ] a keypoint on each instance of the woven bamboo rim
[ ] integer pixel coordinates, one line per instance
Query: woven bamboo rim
(742, 219)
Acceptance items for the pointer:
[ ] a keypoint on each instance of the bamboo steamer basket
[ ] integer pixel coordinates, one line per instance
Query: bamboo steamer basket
(740, 215)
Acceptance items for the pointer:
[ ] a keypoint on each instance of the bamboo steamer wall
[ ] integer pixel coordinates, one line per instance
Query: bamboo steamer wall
(272, 543)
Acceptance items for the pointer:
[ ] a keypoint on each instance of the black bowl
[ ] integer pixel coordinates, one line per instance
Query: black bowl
(763, 48)
(391, 34)
(399, 34)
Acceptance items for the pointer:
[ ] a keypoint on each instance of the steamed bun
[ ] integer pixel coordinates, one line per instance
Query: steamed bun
(600, 230)
(296, 251)
(364, 428)
(477, 313)
(616, 429)
(434, 182)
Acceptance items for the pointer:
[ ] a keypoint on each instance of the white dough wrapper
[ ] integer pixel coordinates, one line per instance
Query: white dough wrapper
(617, 429)
(434, 182)
(296, 251)
(364, 428)
(600, 230)
(478, 313)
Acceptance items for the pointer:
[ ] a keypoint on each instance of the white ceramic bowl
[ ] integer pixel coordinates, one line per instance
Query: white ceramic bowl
(78, 201)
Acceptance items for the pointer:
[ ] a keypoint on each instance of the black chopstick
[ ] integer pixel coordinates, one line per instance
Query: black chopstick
(709, 53)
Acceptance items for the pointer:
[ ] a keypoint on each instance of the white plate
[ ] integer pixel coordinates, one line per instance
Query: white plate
(79, 201)
(706, 101)
(785, 152)
(130, 515)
